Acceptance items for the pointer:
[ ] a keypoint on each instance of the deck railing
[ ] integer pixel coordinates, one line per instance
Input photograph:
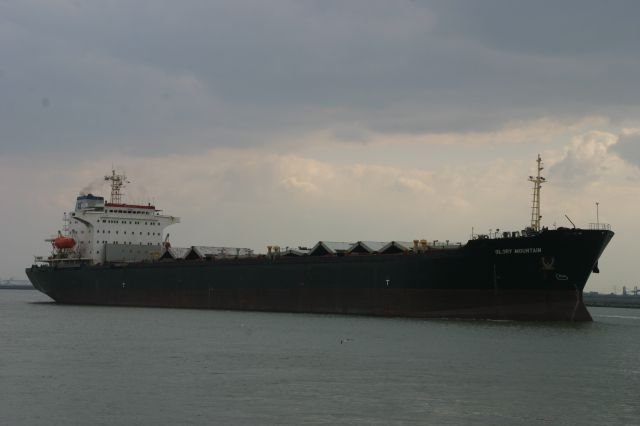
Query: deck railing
(600, 226)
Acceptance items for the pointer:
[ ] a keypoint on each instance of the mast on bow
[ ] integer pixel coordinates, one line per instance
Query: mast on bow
(535, 207)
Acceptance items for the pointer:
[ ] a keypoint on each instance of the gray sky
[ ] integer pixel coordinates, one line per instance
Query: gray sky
(287, 122)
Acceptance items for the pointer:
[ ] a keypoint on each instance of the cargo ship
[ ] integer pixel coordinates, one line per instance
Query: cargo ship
(114, 253)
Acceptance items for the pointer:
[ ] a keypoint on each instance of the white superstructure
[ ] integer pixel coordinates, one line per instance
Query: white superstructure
(116, 231)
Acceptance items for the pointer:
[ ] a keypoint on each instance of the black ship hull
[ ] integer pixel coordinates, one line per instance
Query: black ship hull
(537, 277)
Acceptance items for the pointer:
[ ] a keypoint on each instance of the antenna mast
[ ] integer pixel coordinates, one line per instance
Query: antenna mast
(117, 182)
(535, 207)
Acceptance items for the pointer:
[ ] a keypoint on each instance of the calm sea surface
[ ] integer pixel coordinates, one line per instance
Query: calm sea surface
(76, 365)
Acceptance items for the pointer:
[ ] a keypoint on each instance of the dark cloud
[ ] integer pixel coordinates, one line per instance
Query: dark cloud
(156, 77)
(544, 27)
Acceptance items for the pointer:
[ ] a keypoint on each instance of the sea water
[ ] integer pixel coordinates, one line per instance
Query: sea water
(86, 365)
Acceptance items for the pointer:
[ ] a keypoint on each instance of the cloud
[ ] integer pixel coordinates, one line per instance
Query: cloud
(91, 79)
(585, 160)
(546, 27)
(628, 146)
(591, 157)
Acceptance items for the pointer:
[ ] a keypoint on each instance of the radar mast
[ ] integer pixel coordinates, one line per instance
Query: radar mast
(535, 207)
(117, 182)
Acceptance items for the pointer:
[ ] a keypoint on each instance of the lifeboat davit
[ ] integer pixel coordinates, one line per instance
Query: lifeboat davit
(62, 242)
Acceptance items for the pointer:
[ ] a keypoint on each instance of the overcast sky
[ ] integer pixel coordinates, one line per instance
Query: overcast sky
(286, 122)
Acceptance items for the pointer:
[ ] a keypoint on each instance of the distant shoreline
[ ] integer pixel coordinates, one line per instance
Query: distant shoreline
(611, 301)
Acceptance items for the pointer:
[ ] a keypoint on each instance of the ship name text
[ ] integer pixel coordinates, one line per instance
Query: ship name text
(528, 250)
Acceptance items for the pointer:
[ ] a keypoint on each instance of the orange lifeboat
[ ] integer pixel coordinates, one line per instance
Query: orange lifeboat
(62, 242)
